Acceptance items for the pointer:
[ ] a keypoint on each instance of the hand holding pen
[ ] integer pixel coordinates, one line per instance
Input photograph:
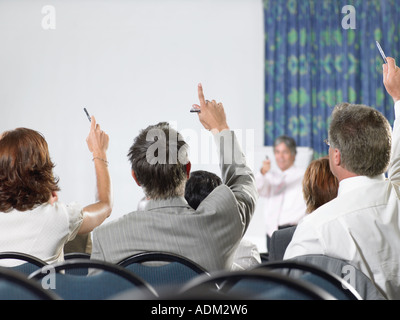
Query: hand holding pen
(266, 166)
(95, 213)
(381, 52)
(97, 140)
(391, 78)
(212, 114)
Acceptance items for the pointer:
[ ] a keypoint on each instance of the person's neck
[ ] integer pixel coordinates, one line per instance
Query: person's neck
(344, 174)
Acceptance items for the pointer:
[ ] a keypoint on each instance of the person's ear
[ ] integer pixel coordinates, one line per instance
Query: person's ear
(53, 198)
(188, 167)
(135, 178)
(337, 157)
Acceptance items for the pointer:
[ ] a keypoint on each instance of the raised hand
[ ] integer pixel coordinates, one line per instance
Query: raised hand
(212, 114)
(391, 78)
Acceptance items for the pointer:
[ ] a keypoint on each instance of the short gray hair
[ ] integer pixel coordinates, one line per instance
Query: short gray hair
(288, 141)
(363, 137)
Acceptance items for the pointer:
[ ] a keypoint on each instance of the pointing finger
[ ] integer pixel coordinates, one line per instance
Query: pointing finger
(92, 123)
(201, 95)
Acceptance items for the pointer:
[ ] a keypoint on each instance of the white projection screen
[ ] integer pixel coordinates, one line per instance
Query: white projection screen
(131, 64)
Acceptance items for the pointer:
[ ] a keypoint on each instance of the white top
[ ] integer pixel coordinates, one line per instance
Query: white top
(246, 256)
(284, 203)
(361, 225)
(41, 232)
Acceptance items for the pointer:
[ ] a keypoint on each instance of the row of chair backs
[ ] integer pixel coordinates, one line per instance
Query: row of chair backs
(69, 282)
(253, 284)
(343, 269)
(110, 280)
(290, 279)
(310, 273)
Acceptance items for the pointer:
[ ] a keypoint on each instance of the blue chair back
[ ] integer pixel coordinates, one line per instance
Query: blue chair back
(16, 286)
(29, 265)
(312, 274)
(77, 255)
(255, 285)
(166, 269)
(107, 281)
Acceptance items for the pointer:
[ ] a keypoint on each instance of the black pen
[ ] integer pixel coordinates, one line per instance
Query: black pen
(87, 114)
(195, 110)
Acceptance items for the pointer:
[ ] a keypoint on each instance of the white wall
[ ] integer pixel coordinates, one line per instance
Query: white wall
(131, 64)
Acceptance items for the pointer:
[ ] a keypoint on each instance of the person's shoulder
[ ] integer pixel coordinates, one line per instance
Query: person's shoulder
(114, 224)
(220, 195)
(324, 214)
(58, 209)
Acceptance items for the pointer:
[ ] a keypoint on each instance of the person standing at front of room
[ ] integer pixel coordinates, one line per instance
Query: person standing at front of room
(281, 188)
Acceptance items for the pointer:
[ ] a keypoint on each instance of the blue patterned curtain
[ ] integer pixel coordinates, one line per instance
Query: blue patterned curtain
(312, 63)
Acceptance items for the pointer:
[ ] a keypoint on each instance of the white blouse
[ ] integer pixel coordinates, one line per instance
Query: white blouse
(41, 232)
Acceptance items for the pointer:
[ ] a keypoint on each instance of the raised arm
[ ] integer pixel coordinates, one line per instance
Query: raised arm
(94, 214)
(391, 80)
(234, 171)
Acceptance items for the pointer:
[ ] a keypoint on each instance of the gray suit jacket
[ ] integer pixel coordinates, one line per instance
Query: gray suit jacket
(208, 235)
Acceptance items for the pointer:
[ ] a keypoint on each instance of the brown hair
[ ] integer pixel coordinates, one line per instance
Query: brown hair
(319, 184)
(26, 171)
(158, 157)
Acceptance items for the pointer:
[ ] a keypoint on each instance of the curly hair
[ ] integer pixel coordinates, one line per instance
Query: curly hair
(26, 171)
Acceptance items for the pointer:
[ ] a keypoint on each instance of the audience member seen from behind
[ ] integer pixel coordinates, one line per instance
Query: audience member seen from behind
(319, 187)
(361, 225)
(281, 188)
(32, 220)
(199, 185)
(209, 235)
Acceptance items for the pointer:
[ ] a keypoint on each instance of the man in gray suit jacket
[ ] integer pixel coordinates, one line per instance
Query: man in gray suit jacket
(208, 235)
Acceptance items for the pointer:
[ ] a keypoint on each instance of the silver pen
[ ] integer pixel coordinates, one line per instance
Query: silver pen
(381, 51)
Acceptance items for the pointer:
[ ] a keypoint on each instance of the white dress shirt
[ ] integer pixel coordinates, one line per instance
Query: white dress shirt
(282, 191)
(361, 226)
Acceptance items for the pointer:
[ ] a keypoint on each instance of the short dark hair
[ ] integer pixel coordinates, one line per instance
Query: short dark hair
(26, 170)
(199, 186)
(158, 157)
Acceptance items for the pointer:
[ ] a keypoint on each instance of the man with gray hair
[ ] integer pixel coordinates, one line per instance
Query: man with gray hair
(361, 226)
(281, 188)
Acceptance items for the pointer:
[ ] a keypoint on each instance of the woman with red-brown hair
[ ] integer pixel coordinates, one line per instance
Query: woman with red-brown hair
(319, 184)
(32, 220)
